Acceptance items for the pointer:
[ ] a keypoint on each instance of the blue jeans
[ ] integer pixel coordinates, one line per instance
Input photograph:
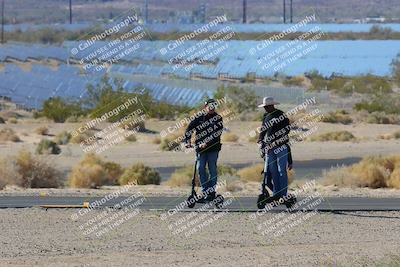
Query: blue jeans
(277, 167)
(209, 159)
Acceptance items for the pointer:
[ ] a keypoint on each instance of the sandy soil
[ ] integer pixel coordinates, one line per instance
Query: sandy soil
(35, 237)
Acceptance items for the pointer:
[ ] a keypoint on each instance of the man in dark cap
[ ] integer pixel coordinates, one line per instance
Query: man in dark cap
(207, 128)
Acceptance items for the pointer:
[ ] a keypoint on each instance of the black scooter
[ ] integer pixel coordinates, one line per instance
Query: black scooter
(194, 198)
(264, 198)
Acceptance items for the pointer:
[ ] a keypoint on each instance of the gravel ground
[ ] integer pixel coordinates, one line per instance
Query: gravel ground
(36, 237)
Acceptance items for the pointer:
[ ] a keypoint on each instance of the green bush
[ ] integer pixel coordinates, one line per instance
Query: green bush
(59, 110)
(140, 174)
(47, 147)
(2, 121)
(389, 104)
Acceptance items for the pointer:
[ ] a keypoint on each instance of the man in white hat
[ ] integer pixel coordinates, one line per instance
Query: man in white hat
(273, 139)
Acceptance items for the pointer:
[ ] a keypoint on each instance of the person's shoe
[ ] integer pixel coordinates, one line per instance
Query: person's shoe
(210, 197)
(202, 199)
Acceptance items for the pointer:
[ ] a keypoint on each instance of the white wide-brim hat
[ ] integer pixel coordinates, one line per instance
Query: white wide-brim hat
(268, 101)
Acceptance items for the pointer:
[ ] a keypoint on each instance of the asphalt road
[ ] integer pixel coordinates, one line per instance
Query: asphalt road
(242, 204)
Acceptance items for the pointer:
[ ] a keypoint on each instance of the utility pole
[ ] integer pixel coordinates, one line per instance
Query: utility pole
(70, 11)
(284, 11)
(146, 11)
(291, 11)
(244, 11)
(2, 21)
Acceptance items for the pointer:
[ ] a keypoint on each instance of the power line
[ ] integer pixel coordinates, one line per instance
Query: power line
(284, 11)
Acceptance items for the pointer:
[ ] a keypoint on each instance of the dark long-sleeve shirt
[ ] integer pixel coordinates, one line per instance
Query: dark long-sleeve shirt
(208, 129)
(275, 128)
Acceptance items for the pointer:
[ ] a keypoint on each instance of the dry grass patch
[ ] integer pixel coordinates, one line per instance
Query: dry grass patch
(12, 120)
(373, 172)
(172, 142)
(229, 137)
(156, 140)
(183, 176)
(253, 173)
(341, 136)
(8, 134)
(338, 116)
(43, 130)
(131, 138)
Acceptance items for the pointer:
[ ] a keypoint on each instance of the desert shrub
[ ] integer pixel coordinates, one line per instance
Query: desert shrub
(239, 99)
(253, 139)
(2, 121)
(380, 118)
(342, 136)
(339, 116)
(113, 170)
(8, 134)
(25, 171)
(134, 125)
(251, 173)
(182, 177)
(12, 120)
(386, 103)
(171, 142)
(229, 137)
(63, 138)
(373, 172)
(140, 174)
(9, 174)
(58, 109)
(131, 138)
(396, 135)
(396, 69)
(47, 147)
(93, 172)
(88, 137)
(294, 81)
(156, 140)
(43, 130)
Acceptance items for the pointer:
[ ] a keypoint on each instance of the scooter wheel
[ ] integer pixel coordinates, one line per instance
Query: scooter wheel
(191, 202)
(290, 202)
(262, 201)
(219, 201)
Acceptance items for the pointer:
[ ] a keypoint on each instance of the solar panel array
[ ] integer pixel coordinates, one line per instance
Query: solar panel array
(32, 86)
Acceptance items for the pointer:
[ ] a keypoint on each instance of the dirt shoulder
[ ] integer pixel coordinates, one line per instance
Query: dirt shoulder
(51, 238)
